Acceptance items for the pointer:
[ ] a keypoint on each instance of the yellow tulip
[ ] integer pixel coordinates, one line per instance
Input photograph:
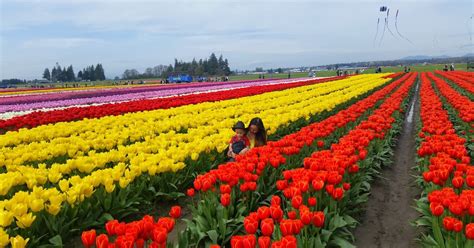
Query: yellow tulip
(37, 205)
(19, 209)
(53, 209)
(4, 238)
(25, 221)
(18, 242)
(6, 218)
(71, 199)
(110, 187)
(64, 185)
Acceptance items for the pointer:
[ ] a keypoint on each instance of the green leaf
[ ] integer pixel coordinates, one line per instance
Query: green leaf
(56, 241)
(340, 242)
(213, 235)
(106, 217)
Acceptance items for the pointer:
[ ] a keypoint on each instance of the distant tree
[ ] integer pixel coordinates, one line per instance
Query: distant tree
(56, 73)
(130, 74)
(148, 72)
(259, 69)
(79, 75)
(99, 72)
(46, 74)
(227, 70)
(70, 76)
(213, 64)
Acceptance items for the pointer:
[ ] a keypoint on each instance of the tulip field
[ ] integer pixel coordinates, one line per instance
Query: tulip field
(146, 166)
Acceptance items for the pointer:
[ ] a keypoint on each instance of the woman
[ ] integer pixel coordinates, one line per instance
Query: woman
(256, 134)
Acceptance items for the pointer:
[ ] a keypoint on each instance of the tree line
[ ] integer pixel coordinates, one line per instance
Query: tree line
(212, 66)
(12, 81)
(64, 74)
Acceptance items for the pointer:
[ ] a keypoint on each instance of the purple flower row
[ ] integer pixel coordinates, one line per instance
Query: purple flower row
(129, 96)
(74, 94)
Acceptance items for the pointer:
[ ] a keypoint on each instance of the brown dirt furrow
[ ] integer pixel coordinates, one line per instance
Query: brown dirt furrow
(386, 222)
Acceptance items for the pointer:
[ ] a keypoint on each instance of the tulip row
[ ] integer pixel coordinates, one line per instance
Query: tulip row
(86, 163)
(92, 160)
(16, 92)
(249, 180)
(462, 79)
(462, 104)
(78, 113)
(142, 233)
(102, 97)
(319, 196)
(19, 94)
(78, 188)
(447, 173)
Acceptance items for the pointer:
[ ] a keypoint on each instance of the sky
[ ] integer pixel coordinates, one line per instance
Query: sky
(126, 34)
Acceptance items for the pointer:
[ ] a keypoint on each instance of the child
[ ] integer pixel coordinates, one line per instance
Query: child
(239, 141)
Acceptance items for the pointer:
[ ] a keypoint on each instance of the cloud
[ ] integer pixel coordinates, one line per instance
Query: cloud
(125, 34)
(60, 43)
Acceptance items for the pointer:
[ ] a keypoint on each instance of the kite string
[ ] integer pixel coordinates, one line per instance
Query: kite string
(396, 27)
(383, 32)
(377, 31)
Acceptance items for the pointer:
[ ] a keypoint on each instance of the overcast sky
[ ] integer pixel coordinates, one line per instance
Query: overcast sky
(137, 34)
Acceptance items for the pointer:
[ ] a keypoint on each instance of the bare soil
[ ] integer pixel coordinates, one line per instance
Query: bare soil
(390, 209)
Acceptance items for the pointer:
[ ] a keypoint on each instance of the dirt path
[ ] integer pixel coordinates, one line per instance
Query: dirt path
(389, 213)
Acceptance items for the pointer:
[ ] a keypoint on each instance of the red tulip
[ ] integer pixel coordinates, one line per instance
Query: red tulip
(320, 143)
(120, 229)
(267, 226)
(458, 182)
(296, 201)
(264, 242)
(448, 223)
(338, 193)
(281, 184)
(289, 241)
(110, 226)
(346, 186)
(276, 212)
(167, 223)
(175, 212)
(225, 188)
(306, 217)
(190, 192)
(263, 212)
(286, 227)
(250, 225)
(436, 209)
(225, 199)
(276, 200)
(470, 231)
(317, 184)
(292, 215)
(160, 235)
(312, 201)
(457, 226)
(88, 238)
(318, 219)
(102, 241)
(140, 243)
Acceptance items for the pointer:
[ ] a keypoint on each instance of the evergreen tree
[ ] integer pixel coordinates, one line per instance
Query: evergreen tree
(80, 76)
(70, 76)
(213, 64)
(46, 74)
(99, 72)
